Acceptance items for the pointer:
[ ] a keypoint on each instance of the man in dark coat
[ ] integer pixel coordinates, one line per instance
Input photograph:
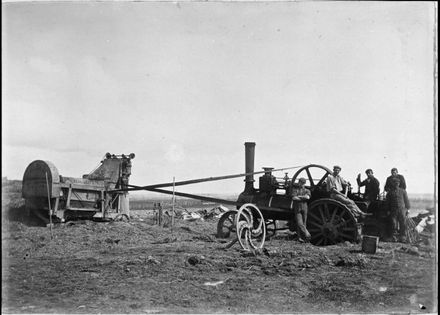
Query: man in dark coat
(395, 174)
(371, 185)
(268, 182)
(398, 205)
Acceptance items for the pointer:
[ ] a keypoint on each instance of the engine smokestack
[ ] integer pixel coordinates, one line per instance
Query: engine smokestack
(249, 166)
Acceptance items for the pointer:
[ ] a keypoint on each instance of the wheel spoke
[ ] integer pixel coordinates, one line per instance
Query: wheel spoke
(310, 177)
(346, 214)
(327, 213)
(322, 215)
(343, 223)
(333, 215)
(311, 214)
(322, 179)
(315, 224)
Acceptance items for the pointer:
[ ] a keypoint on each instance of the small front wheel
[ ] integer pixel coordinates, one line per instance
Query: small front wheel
(250, 227)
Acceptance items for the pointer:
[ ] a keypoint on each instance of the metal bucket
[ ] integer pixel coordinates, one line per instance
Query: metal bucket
(369, 244)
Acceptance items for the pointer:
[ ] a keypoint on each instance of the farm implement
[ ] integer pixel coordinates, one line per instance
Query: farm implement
(104, 192)
(49, 194)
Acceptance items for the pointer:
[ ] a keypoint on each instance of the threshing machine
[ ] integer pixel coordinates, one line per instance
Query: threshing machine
(47, 193)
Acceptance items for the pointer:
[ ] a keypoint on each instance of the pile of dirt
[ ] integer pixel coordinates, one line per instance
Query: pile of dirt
(140, 267)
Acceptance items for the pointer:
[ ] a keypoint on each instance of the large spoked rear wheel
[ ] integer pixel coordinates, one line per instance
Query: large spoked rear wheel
(330, 222)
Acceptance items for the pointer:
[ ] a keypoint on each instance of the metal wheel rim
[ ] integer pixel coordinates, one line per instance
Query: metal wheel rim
(250, 236)
(330, 222)
(313, 182)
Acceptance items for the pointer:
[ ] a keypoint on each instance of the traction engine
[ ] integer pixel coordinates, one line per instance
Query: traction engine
(329, 221)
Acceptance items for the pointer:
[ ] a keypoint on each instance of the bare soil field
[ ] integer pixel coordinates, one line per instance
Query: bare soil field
(140, 267)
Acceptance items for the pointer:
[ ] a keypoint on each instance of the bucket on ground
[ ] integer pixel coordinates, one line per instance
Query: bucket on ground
(369, 244)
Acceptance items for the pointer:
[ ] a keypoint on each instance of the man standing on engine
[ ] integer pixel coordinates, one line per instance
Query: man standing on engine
(268, 183)
(301, 195)
(371, 186)
(395, 174)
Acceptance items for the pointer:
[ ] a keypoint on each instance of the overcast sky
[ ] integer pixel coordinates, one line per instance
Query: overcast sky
(184, 85)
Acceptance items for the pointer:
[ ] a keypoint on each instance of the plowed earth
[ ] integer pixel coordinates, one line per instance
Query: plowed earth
(140, 267)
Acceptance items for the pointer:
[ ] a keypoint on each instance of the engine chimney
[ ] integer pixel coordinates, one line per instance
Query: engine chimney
(249, 166)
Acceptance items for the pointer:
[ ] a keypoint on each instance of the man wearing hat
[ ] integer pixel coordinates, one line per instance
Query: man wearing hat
(398, 205)
(371, 186)
(268, 183)
(300, 194)
(336, 185)
(395, 174)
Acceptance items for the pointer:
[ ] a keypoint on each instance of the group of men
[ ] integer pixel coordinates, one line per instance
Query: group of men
(396, 197)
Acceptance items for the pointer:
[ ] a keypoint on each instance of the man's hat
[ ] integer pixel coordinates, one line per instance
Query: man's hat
(369, 171)
(337, 167)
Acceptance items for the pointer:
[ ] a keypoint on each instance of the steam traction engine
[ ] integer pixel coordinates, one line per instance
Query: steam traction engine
(47, 193)
(329, 221)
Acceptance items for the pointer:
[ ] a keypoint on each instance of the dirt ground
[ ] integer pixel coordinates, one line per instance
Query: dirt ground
(140, 267)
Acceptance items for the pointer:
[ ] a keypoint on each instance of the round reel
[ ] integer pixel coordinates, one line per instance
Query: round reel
(250, 227)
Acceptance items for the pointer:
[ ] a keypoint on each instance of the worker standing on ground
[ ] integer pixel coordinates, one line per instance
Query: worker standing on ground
(398, 205)
(125, 172)
(301, 195)
(395, 174)
(336, 186)
(371, 184)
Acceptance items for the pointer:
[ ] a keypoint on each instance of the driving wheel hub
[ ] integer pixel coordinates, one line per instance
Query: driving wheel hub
(329, 230)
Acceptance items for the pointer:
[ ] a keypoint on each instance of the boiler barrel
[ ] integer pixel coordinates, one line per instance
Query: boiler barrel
(34, 180)
(277, 201)
(276, 207)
